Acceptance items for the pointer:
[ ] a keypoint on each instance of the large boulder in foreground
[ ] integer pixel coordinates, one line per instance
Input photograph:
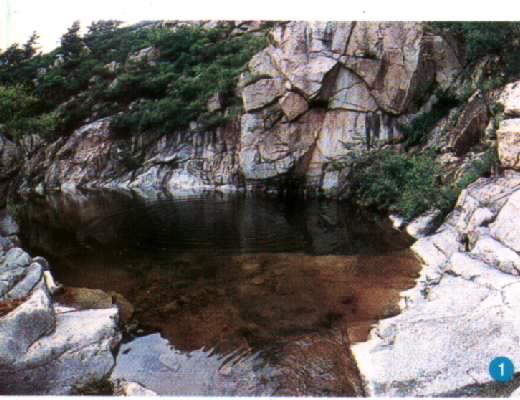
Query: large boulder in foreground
(46, 348)
(77, 353)
(464, 309)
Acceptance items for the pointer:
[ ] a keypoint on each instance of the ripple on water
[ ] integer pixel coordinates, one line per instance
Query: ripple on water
(155, 363)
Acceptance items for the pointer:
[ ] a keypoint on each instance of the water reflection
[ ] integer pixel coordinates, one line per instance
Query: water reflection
(218, 223)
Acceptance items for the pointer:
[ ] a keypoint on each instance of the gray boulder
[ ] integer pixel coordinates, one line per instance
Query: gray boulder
(77, 353)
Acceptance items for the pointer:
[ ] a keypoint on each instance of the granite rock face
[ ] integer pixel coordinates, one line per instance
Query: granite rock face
(362, 75)
(46, 348)
(93, 157)
(510, 99)
(463, 311)
(10, 162)
(470, 126)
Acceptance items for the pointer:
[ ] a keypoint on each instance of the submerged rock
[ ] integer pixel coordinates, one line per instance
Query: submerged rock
(158, 366)
(94, 299)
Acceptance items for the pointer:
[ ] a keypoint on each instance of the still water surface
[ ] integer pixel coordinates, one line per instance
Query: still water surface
(234, 295)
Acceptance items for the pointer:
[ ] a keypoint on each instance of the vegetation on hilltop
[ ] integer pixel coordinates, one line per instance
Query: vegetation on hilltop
(481, 39)
(58, 91)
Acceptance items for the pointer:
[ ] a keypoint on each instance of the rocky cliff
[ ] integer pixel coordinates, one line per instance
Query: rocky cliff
(319, 96)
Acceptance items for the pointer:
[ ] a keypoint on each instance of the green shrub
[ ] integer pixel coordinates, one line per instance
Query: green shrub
(411, 184)
(18, 111)
(45, 125)
(15, 102)
(402, 183)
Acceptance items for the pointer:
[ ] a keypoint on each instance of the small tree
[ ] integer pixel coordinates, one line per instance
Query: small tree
(100, 27)
(31, 47)
(71, 42)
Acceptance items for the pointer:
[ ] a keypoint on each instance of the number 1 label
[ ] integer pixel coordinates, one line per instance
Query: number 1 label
(502, 369)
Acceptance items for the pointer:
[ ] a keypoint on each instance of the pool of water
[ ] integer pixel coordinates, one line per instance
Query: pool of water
(235, 295)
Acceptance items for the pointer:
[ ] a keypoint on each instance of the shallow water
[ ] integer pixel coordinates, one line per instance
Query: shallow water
(250, 296)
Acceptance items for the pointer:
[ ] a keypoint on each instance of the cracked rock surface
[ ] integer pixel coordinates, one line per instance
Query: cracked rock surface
(464, 310)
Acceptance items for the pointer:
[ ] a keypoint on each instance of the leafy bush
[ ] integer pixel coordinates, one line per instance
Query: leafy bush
(45, 125)
(15, 102)
(411, 184)
(402, 183)
(18, 113)
(111, 43)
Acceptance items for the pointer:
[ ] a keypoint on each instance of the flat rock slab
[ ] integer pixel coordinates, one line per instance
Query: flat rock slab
(445, 344)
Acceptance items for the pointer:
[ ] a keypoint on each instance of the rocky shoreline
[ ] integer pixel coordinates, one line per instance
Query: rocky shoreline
(463, 312)
(44, 347)
(48, 348)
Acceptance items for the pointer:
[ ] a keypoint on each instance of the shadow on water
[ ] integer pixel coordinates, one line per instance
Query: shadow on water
(251, 296)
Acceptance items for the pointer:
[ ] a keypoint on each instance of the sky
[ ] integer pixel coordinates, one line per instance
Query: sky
(51, 18)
